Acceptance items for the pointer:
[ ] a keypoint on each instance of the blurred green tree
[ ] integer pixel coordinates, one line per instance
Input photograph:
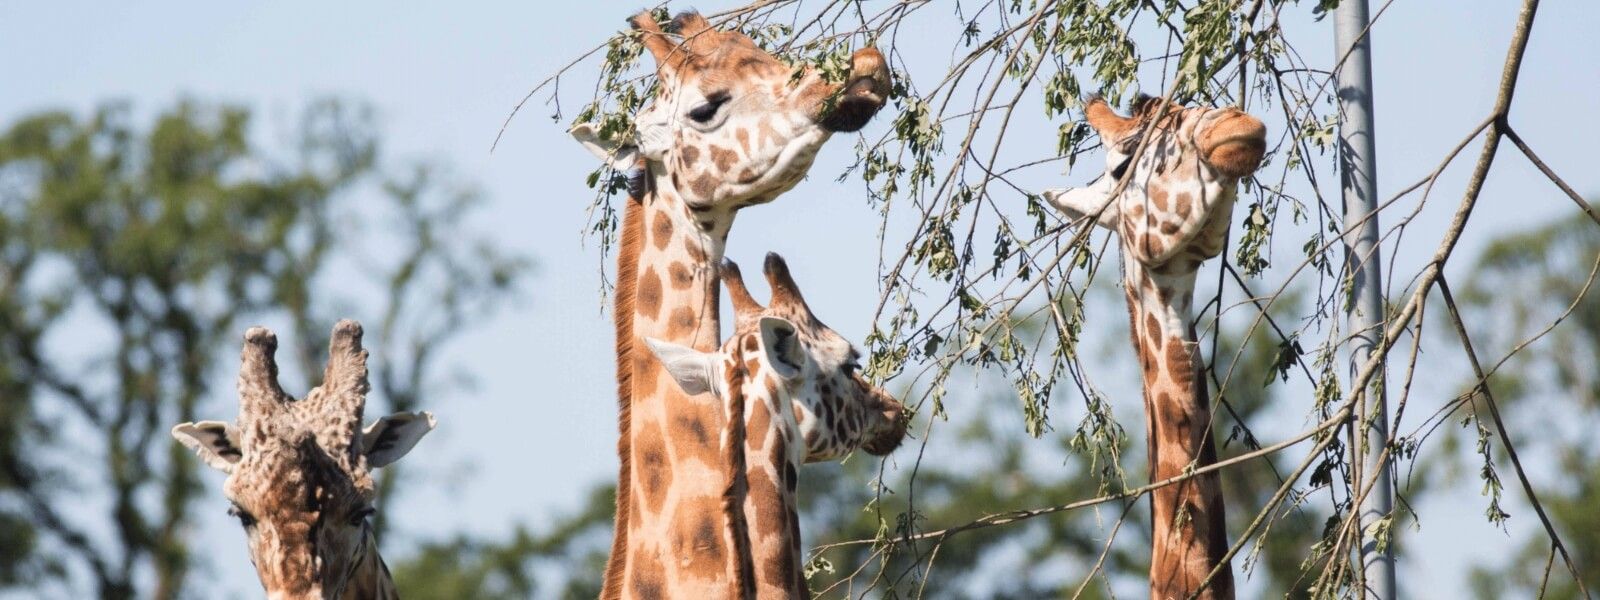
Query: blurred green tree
(130, 258)
(1548, 393)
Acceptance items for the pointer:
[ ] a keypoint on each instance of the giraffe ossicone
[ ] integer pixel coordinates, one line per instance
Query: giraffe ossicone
(299, 472)
(792, 392)
(1182, 167)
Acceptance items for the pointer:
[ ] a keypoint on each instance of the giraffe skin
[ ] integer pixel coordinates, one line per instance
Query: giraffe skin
(300, 471)
(792, 392)
(1172, 215)
(729, 127)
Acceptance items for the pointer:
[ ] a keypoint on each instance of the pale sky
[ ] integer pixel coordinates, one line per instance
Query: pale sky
(539, 429)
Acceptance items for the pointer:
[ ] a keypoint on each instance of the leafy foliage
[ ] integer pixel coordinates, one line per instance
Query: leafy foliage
(131, 258)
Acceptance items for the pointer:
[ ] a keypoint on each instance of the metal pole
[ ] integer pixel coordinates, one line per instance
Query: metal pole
(1364, 316)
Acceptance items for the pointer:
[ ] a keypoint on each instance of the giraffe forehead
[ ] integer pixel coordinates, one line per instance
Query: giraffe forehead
(728, 57)
(294, 477)
(826, 345)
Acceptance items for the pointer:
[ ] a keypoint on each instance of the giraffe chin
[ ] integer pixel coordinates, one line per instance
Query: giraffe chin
(887, 442)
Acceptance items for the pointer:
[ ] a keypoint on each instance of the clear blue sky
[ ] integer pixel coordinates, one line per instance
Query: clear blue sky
(540, 427)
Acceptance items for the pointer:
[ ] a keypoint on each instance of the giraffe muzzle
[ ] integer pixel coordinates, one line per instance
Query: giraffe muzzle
(862, 96)
(897, 420)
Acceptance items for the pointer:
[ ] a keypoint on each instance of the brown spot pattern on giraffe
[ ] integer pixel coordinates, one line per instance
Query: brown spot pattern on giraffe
(1152, 329)
(693, 427)
(723, 158)
(769, 510)
(706, 450)
(697, 253)
(648, 300)
(654, 472)
(779, 568)
(760, 418)
(1180, 362)
(646, 370)
(661, 230)
(705, 185)
(680, 275)
(697, 539)
(1174, 420)
(649, 576)
(682, 322)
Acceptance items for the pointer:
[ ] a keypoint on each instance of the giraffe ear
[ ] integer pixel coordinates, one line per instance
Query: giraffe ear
(692, 369)
(216, 442)
(782, 344)
(391, 437)
(622, 155)
(1089, 201)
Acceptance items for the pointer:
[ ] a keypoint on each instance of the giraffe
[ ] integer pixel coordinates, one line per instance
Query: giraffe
(1172, 216)
(730, 126)
(299, 471)
(792, 393)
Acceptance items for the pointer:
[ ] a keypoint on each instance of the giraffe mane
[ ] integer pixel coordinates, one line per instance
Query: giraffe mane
(629, 246)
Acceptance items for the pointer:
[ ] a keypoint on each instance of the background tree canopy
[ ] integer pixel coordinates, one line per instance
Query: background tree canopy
(132, 256)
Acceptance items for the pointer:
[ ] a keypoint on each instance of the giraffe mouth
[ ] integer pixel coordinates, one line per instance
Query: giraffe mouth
(889, 439)
(857, 104)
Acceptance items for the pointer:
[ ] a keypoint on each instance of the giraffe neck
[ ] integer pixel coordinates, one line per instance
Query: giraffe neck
(1189, 531)
(370, 580)
(774, 452)
(671, 537)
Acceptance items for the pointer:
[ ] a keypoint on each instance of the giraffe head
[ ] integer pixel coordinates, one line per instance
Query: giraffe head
(299, 471)
(816, 371)
(1181, 189)
(1225, 143)
(730, 124)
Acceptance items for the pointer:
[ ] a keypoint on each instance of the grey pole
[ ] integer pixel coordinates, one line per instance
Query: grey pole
(1364, 316)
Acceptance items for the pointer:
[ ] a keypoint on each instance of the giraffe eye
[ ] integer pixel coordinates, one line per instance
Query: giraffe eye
(713, 103)
(1127, 148)
(360, 516)
(244, 516)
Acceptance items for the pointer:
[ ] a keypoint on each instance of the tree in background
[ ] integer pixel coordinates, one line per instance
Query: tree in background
(132, 258)
(1548, 393)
